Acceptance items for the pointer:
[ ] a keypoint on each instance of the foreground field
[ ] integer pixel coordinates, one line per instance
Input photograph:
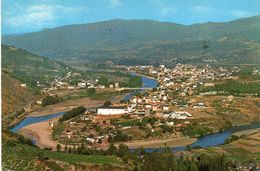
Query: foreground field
(24, 157)
(172, 142)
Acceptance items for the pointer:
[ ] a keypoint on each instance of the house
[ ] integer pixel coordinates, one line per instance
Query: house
(112, 110)
(148, 106)
(116, 85)
(39, 102)
(23, 85)
(181, 115)
(71, 87)
(81, 85)
(166, 107)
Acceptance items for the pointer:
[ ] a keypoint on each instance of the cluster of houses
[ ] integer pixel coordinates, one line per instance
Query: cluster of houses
(256, 72)
(65, 83)
(183, 81)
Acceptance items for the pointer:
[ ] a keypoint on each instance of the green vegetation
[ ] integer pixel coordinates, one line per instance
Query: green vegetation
(151, 42)
(57, 130)
(135, 81)
(72, 113)
(29, 68)
(235, 88)
(91, 91)
(24, 157)
(18, 156)
(50, 100)
(246, 73)
(103, 81)
(231, 139)
(91, 94)
(196, 130)
(119, 137)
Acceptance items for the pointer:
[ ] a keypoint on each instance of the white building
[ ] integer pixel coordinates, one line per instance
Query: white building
(116, 85)
(181, 115)
(23, 85)
(111, 110)
(82, 85)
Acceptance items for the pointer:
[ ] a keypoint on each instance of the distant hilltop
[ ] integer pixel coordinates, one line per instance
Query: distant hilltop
(147, 42)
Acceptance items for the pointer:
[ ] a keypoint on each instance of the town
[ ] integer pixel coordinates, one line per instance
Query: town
(175, 108)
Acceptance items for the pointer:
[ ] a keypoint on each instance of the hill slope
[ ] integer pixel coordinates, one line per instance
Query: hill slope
(14, 97)
(20, 66)
(146, 41)
(29, 68)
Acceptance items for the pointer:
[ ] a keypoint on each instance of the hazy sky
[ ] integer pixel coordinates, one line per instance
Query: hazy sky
(20, 16)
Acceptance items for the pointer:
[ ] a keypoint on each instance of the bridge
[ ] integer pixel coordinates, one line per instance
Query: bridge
(129, 88)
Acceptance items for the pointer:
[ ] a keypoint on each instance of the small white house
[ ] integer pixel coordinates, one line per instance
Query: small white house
(23, 85)
(39, 102)
(82, 85)
(166, 107)
(148, 106)
(116, 85)
(181, 115)
(111, 110)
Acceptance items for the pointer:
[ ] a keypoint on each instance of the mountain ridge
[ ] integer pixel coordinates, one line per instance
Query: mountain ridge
(108, 40)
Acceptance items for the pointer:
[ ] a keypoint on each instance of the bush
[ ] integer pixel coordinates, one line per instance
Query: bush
(91, 91)
(49, 100)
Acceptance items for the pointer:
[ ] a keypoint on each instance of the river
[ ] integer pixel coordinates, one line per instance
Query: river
(211, 140)
(147, 83)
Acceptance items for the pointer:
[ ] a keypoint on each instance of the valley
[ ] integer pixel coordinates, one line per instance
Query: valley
(130, 94)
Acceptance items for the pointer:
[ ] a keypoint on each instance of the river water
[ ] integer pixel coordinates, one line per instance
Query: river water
(147, 83)
(210, 140)
(31, 120)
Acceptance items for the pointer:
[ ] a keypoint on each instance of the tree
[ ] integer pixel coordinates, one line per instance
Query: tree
(103, 81)
(72, 113)
(49, 100)
(188, 147)
(66, 148)
(58, 147)
(135, 81)
(107, 103)
(91, 91)
(123, 150)
(112, 149)
(41, 156)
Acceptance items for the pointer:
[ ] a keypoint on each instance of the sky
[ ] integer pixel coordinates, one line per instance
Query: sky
(22, 16)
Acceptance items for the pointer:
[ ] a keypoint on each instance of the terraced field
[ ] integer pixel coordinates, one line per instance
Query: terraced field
(24, 157)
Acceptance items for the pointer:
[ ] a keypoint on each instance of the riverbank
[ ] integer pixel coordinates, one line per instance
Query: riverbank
(40, 133)
(70, 104)
(247, 132)
(157, 143)
(143, 75)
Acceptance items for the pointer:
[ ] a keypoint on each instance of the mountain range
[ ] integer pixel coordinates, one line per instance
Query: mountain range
(147, 42)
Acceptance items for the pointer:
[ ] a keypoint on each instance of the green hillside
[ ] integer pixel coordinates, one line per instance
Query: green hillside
(148, 42)
(18, 155)
(14, 97)
(29, 68)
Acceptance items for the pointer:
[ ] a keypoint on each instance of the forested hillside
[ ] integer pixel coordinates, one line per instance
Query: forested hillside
(21, 67)
(29, 68)
(147, 42)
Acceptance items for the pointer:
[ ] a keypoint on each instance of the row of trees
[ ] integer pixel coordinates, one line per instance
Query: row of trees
(163, 159)
(72, 113)
(50, 100)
